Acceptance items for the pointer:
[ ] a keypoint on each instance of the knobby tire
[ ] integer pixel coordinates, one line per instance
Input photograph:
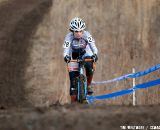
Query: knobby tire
(81, 80)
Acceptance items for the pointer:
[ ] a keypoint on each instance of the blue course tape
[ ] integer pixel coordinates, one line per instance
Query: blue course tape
(131, 75)
(152, 83)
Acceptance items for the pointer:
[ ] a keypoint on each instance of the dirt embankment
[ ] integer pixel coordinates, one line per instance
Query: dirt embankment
(31, 38)
(19, 20)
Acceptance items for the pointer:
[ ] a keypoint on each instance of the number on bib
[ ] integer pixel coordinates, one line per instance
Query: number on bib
(90, 39)
(66, 44)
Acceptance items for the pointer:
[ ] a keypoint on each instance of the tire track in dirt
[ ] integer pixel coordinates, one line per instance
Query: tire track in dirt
(19, 19)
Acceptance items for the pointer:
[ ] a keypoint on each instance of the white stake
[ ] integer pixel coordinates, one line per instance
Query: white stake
(134, 83)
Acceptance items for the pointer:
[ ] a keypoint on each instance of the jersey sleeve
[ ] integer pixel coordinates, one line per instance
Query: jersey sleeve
(91, 42)
(67, 45)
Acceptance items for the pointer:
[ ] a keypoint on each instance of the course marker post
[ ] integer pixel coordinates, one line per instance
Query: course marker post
(134, 84)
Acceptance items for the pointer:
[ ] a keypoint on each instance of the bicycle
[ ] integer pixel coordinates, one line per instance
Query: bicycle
(80, 81)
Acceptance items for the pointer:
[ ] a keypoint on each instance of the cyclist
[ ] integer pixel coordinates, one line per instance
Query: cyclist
(79, 42)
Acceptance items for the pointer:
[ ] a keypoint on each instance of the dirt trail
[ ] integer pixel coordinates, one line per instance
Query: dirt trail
(79, 117)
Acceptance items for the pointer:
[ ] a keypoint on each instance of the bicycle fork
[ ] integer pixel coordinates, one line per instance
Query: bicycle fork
(78, 95)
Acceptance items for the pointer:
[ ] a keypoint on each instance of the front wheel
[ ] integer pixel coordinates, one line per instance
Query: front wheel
(81, 89)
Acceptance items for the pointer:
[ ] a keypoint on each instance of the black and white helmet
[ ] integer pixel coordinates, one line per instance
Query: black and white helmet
(77, 24)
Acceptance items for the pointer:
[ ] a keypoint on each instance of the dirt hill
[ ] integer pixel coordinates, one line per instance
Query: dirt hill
(31, 38)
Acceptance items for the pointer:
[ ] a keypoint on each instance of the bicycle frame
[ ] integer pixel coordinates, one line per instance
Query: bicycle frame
(81, 86)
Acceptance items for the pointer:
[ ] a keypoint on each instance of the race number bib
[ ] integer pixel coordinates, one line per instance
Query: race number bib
(90, 39)
(66, 44)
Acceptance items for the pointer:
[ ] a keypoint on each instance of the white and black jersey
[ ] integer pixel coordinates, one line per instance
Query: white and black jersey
(85, 45)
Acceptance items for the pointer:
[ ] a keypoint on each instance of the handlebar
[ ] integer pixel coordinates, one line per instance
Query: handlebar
(86, 60)
(80, 61)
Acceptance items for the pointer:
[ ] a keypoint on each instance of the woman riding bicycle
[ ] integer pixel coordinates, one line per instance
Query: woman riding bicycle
(79, 43)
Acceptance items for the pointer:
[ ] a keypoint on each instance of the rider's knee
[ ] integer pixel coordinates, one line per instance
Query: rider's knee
(89, 68)
(89, 72)
(73, 90)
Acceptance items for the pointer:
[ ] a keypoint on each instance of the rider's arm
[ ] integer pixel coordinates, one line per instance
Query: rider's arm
(91, 43)
(67, 45)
